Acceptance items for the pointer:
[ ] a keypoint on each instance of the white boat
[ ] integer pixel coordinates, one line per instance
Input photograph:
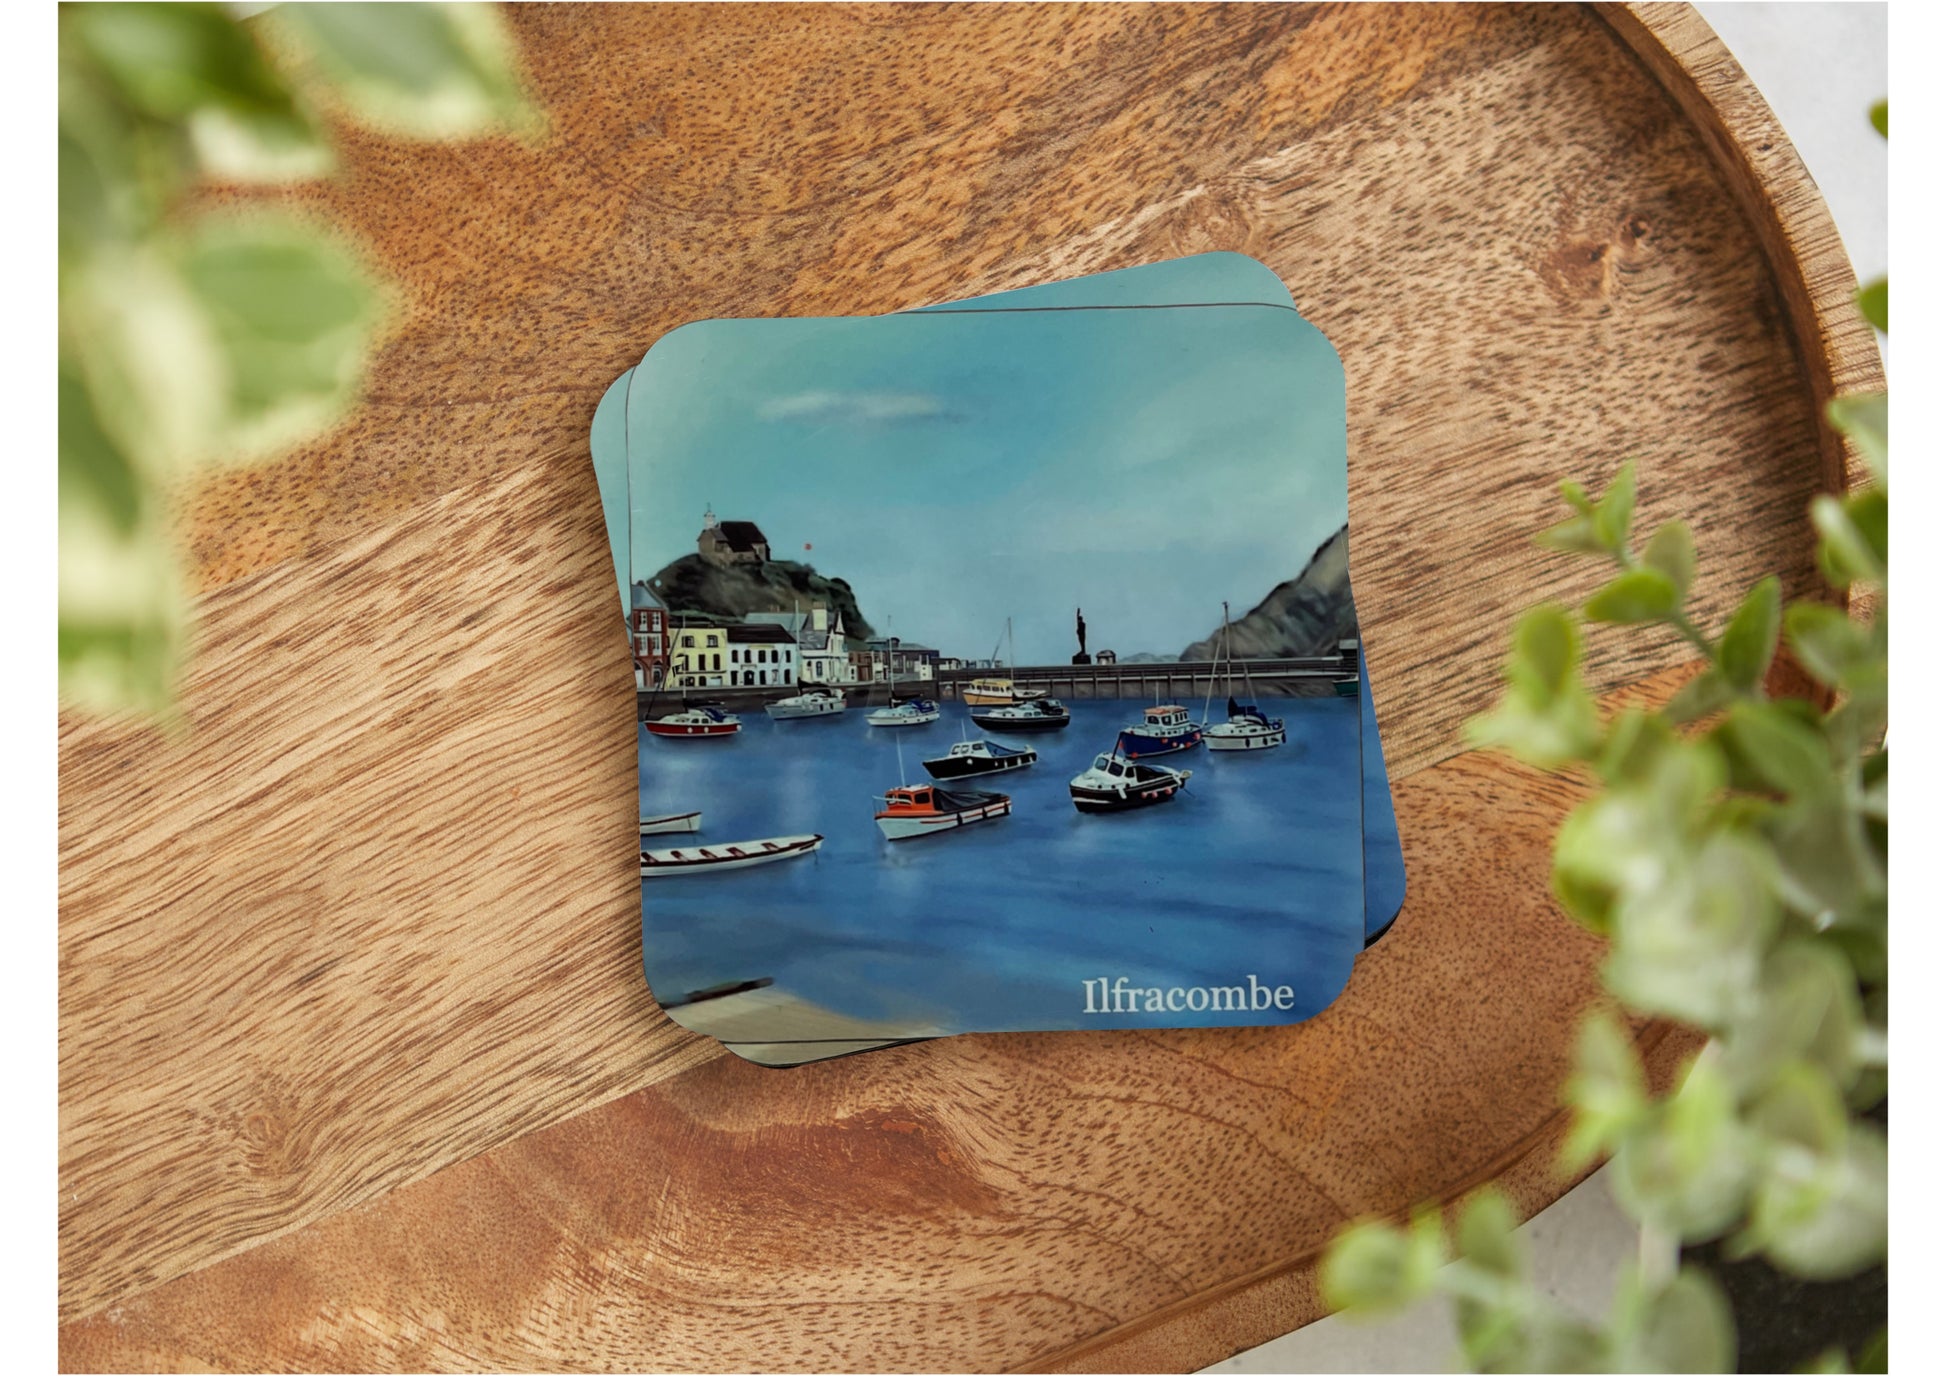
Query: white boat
(916, 712)
(672, 822)
(812, 702)
(1114, 784)
(727, 855)
(927, 810)
(1248, 727)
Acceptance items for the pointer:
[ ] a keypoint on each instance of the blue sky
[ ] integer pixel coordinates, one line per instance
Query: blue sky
(964, 467)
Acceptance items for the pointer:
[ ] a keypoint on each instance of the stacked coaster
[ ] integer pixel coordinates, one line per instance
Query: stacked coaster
(997, 666)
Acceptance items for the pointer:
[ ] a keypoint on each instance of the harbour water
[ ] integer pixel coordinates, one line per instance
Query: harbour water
(1256, 868)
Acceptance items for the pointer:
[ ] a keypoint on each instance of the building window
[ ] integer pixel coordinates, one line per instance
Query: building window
(718, 661)
(689, 642)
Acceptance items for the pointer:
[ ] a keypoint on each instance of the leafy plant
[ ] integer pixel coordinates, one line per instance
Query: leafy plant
(191, 336)
(1734, 856)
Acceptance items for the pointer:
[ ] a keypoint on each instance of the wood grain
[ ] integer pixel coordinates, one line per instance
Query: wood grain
(999, 1190)
(357, 1065)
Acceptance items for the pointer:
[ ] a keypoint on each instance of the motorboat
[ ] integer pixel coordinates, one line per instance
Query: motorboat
(672, 822)
(1000, 691)
(927, 810)
(1248, 728)
(1115, 784)
(913, 712)
(727, 855)
(968, 758)
(812, 702)
(1163, 730)
(1038, 714)
(698, 723)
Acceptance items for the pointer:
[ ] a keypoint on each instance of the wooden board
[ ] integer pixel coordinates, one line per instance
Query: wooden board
(347, 1084)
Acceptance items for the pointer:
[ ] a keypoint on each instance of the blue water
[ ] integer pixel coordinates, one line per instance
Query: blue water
(1256, 868)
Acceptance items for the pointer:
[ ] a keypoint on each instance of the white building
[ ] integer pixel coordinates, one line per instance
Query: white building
(820, 639)
(761, 656)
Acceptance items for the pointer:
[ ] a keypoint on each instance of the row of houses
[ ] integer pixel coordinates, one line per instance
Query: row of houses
(766, 650)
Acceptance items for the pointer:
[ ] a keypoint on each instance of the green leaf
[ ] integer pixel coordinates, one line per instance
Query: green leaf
(1802, 1107)
(1576, 535)
(1789, 756)
(1671, 551)
(1871, 299)
(1853, 545)
(1806, 1012)
(1576, 496)
(1688, 1170)
(1828, 643)
(1864, 418)
(1636, 740)
(1546, 653)
(1822, 1215)
(1686, 1326)
(1606, 1091)
(1750, 640)
(1707, 693)
(1878, 119)
(93, 468)
(435, 71)
(1546, 717)
(1373, 1267)
(1639, 595)
(1488, 1235)
(1616, 510)
(191, 66)
(294, 315)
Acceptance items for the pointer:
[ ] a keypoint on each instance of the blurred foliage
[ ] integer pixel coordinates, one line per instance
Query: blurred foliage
(1734, 857)
(191, 337)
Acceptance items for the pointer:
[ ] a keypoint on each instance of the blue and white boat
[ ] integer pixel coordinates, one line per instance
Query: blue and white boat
(1163, 730)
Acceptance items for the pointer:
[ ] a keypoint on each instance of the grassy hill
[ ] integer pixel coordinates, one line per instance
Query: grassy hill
(691, 584)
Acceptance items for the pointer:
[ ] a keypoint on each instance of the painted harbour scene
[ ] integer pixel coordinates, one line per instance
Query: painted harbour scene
(892, 782)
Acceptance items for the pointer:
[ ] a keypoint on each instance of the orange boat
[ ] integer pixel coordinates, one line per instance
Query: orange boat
(925, 809)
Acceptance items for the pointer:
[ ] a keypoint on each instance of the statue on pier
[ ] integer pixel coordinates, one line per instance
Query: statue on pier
(1080, 634)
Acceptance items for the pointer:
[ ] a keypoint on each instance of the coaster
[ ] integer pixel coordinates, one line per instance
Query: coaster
(1085, 437)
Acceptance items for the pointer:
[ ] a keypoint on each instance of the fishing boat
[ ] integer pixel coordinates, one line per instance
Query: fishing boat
(1163, 730)
(1040, 714)
(1000, 692)
(1247, 727)
(926, 810)
(672, 822)
(727, 855)
(912, 712)
(968, 758)
(812, 702)
(1116, 784)
(698, 723)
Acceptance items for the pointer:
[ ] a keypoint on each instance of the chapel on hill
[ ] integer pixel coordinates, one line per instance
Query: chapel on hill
(724, 543)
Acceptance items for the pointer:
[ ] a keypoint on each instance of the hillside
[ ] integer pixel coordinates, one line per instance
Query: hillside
(1305, 615)
(692, 585)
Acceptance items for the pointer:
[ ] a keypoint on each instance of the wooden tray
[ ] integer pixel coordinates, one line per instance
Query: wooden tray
(357, 1066)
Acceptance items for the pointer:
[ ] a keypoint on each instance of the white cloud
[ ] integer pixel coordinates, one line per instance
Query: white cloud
(854, 408)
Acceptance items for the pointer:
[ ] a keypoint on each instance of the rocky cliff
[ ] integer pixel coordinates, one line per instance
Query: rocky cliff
(692, 585)
(1305, 615)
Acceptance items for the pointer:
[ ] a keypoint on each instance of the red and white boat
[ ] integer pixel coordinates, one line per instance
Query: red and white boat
(727, 855)
(696, 723)
(927, 809)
